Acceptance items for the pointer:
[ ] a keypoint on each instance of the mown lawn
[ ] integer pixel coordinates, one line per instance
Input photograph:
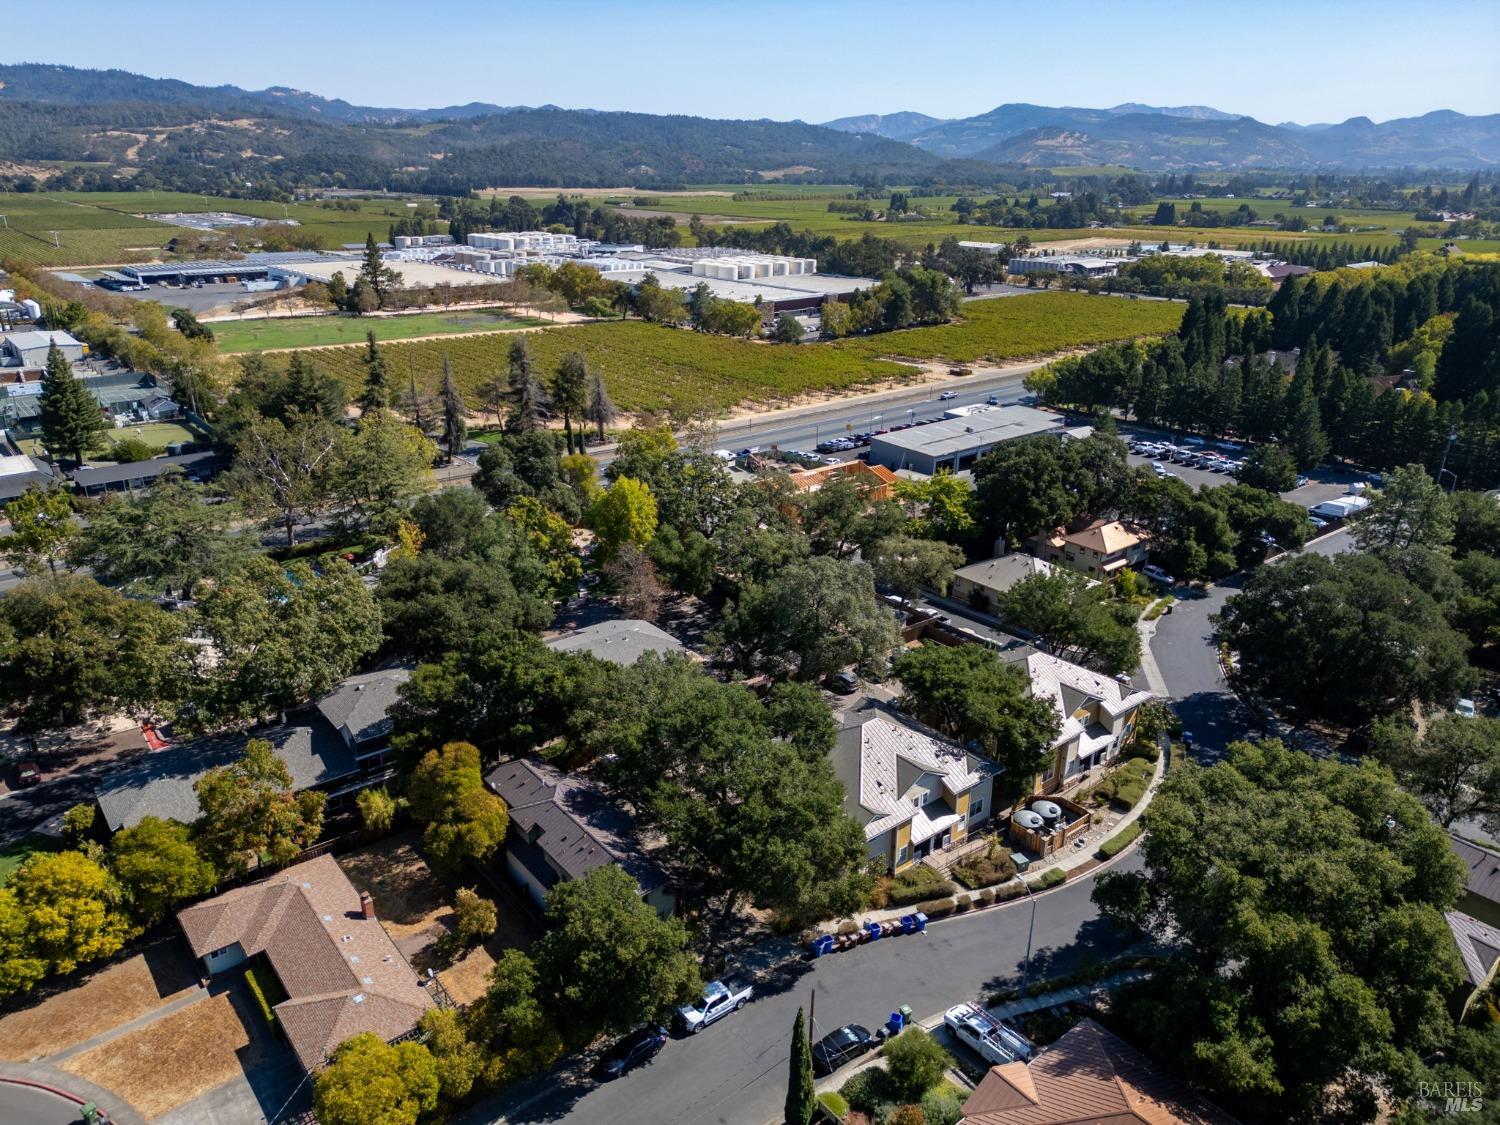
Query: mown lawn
(311, 331)
(13, 854)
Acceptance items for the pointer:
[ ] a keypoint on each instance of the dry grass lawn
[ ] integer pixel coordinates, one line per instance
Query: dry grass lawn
(465, 979)
(173, 1060)
(409, 899)
(107, 999)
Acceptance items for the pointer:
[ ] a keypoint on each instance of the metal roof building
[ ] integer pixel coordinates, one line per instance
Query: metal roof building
(956, 443)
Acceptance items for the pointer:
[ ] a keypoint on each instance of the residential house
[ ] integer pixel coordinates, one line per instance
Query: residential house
(619, 642)
(1482, 894)
(1087, 1076)
(19, 472)
(981, 584)
(339, 746)
(1479, 950)
(913, 791)
(130, 476)
(562, 826)
(341, 972)
(1096, 715)
(1100, 549)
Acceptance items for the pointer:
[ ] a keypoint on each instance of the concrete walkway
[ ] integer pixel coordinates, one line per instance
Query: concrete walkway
(1063, 995)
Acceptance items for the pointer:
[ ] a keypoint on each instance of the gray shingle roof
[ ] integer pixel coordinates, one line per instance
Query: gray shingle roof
(98, 475)
(1484, 868)
(359, 708)
(567, 819)
(162, 783)
(619, 642)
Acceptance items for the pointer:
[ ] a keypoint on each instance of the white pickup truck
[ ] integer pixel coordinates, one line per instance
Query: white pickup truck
(719, 999)
(994, 1041)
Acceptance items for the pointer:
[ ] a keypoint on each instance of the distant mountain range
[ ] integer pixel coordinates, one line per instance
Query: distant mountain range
(216, 137)
(1188, 137)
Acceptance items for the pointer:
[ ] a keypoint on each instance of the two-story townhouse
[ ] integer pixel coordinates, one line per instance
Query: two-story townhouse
(1096, 715)
(1100, 549)
(914, 791)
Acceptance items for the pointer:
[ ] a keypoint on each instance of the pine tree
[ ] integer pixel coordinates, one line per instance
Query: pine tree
(416, 404)
(71, 418)
(376, 395)
(800, 1102)
(570, 386)
(600, 408)
(455, 427)
(528, 395)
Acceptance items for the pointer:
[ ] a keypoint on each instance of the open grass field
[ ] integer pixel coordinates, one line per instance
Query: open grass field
(110, 997)
(311, 331)
(13, 854)
(653, 369)
(173, 1060)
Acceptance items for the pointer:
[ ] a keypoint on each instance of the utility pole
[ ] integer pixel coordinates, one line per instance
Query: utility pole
(1443, 468)
(812, 1014)
(1030, 930)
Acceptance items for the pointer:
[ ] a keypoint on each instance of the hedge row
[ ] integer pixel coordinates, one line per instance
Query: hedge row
(1120, 840)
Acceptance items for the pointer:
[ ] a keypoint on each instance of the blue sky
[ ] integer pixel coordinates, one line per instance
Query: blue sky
(1317, 60)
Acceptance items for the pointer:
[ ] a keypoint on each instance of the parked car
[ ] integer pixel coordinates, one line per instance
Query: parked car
(719, 998)
(1195, 441)
(993, 400)
(946, 395)
(640, 1046)
(1465, 708)
(1303, 482)
(1316, 522)
(1158, 468)
(845, 683)
(28, 773)
(1157, 574)
(838, 1047)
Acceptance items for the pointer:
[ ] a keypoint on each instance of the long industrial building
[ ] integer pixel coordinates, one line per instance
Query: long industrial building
(956, 443)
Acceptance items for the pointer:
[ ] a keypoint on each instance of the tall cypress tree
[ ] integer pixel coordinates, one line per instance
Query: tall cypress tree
(455, 425)
(377, 393)
(800, 1102)
(72, 421)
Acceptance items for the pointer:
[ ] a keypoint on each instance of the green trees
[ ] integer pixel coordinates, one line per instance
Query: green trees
(465, 821)
(377, 809)
(800, 1102)
(570, 393)
(625, 512)
(599, 408)
(474, 917)
(968, 693)
(371, 1082)
(284, 633)
(608, 958)
(512, 1020)
(1269, 467)
(69, 648)
(158, 865)
(381, 466)
(285, 472)
(72, 421)
(1077, 618)
(1409, 511)
(1454, 767)
(55, 914)
(42, 528)
(914, 1061)
(1020, 488)
(376, 394)
(812, 618)
(249, 814)
(455, 415)
(528, 396)
(908, 565)
(1343, 639)
(375, 276)
(787, 330)
(1348, 922)
(162, 541)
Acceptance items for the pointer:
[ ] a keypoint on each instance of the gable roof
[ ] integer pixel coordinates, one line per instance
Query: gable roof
(26, 341)
(619, 641)
(1003, 573)
(341, 971)
(1478, 945)
(1069, 686)
(1104, 537)
(1088, 1075)
(569, 820)
(878, 757)
(359, 708)
(1483, 865)
(161, 783)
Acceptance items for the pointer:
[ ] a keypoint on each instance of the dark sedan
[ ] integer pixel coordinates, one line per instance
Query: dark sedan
(638, 1047)
(838, 1047)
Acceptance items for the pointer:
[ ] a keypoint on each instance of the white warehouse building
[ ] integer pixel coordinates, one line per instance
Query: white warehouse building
(750, 267)
(536, 240)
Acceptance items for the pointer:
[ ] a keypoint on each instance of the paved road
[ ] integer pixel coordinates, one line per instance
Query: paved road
(735, 1071)
(24, 1105)
(1188, 659)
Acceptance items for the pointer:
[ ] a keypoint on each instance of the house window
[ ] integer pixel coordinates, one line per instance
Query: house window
(975, 808)
(221, 951)
(903, 855)
(916, 802)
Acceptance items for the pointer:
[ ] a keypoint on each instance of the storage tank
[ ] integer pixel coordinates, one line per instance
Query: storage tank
(1028, 819)
(1048, 811)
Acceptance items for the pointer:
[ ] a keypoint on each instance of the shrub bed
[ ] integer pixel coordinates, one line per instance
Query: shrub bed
(938, 907)
(834, 1103)
(917, 883)
(1052, 877)
(1120, 840)
(986, 869)
(266, 990)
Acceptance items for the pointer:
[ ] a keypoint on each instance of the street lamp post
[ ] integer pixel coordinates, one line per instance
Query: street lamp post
(1443, 468)
(1030, 930)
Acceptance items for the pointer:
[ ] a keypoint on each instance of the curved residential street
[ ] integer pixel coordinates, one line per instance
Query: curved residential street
(735, 1071)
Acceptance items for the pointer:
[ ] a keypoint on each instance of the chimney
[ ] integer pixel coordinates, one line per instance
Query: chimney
(366, 904)
(1000, 547)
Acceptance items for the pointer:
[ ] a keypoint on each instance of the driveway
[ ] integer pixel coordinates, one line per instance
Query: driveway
(735, 1071)
(1188, 659)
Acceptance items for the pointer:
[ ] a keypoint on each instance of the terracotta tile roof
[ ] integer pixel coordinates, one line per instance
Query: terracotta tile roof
(1088, 1077)
(341, 971)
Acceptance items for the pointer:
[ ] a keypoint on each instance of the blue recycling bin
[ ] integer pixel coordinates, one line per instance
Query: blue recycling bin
(874, 930)
(822, 945)
(894, 1025)
(921, 921)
